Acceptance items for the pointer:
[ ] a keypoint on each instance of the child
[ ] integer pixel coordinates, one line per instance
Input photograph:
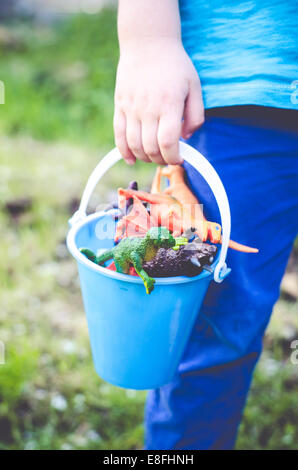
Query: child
(246, 56)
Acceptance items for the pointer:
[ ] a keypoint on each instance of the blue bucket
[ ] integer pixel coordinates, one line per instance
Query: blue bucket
(137, 340)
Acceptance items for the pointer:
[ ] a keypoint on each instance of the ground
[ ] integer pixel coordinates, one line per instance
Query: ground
(55, 125)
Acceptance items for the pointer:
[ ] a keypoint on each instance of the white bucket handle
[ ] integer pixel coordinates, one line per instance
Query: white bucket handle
(203, 166)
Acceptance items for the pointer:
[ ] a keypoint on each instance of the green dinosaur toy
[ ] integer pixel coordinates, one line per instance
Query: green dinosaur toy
(136, 251)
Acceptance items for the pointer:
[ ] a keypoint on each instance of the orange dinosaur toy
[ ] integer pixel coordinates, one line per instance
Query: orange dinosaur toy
(181, 192)
(175, 208)
(179, 189)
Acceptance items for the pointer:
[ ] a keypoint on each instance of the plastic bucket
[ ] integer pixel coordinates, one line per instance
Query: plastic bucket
(137, 340)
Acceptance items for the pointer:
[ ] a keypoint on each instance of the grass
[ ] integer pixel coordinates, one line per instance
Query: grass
(54, 127)
(50, 394)
(59, 82)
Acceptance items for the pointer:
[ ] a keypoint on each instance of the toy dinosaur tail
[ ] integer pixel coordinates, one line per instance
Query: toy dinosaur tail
(245, 249)
(108, 254)
(89, 254)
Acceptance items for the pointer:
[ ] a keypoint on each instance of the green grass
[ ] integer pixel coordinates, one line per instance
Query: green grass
(59, 82)
(271, 415)
(55, 125)
(50, 394)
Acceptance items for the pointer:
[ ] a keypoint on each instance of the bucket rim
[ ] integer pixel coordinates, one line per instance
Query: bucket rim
(82, 259)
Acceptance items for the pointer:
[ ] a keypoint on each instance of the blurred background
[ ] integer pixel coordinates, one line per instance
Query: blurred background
(57, 64)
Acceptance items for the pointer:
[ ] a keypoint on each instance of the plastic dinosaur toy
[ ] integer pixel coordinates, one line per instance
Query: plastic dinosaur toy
(188, 260)
(175, 208)
(136, 251)
(137, 222)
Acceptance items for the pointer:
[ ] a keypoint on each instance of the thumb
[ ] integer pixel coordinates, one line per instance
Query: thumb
(193, 110)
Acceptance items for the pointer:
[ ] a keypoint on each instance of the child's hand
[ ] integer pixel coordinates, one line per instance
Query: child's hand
(157, 85)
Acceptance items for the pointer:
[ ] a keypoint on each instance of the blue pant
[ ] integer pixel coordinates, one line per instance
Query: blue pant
(255, 152)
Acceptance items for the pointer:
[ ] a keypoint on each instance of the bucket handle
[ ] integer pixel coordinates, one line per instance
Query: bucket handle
(203, 166)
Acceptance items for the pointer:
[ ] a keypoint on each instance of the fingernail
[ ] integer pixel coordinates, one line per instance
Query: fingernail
(188, 136)
(130, 161)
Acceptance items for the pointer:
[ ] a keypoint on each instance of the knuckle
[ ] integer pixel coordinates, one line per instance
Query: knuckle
(201, 119)
(168, 97)
(149, 114)
(135, 107)
(118, 97)
(166, 141)
(171, 101)
(118, 130)
(123, 100)
(153, 152)
(134, 145)
(149, 109)
(195, 124)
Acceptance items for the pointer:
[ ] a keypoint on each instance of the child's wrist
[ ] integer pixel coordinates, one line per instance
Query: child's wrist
(135, 44)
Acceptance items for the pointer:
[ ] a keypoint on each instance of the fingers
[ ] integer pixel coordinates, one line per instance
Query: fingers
(152, 137)
(152, 140)
(128, 137)
(134, 138)
(120, 137)
(149, 139)
(169, 131)
(193, 111)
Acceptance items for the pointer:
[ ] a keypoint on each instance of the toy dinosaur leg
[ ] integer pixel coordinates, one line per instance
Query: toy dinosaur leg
(104, 257)
(144, 196)
(169, 190)
(136, 223)
(121, 265)
(155, 188)
(148, 281)
(175, 173)
(120, 227)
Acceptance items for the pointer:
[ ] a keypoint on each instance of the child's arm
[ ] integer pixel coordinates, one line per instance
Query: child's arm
(157, 84)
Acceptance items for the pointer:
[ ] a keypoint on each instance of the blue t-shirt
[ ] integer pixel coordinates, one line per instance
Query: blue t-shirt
(244, 52)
